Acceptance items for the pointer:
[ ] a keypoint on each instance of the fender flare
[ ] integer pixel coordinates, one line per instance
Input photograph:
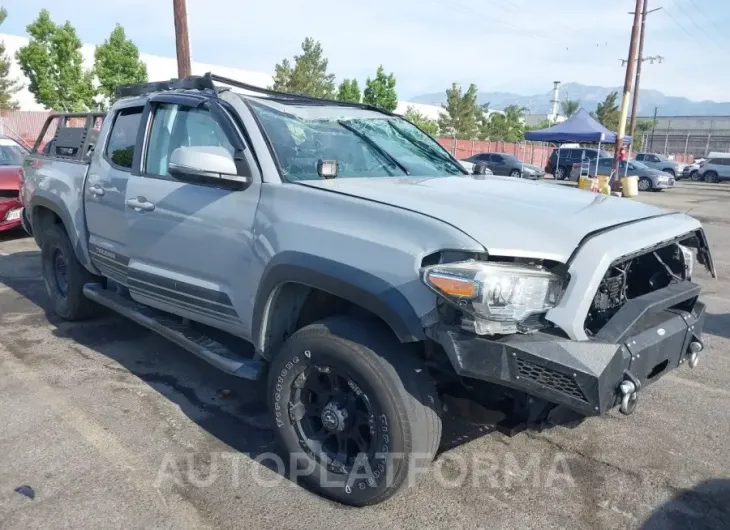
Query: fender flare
(357, 286)
(62, 212)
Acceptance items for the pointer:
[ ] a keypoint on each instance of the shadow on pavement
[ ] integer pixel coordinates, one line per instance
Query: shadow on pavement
(718, 325)
(705, 506)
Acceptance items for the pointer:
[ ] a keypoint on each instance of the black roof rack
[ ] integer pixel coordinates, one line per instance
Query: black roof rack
(207, 82)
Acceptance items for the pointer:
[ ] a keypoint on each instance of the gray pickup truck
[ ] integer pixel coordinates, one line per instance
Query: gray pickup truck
(372, 273)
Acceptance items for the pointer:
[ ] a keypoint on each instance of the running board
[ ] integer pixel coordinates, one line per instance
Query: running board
(176, 331)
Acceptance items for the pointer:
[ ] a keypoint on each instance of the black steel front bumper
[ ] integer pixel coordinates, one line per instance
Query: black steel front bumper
(648, 337)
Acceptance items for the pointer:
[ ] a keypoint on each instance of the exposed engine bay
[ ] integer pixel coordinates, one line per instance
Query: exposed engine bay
(636, 276)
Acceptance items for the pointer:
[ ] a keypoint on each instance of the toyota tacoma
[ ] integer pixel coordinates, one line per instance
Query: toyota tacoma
(371, 272)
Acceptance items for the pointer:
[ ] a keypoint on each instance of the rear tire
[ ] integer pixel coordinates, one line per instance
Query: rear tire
(323, 384)
(711, 177)
(561, 173)
(64, 276)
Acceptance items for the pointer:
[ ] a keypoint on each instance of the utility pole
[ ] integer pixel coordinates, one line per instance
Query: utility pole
(182, 42)
(635, 104)
(628, 80)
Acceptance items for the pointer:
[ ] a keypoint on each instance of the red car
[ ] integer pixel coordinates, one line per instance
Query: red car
(11, 171)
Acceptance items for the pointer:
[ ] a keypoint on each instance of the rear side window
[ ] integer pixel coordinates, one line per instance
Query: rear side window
(122, 137)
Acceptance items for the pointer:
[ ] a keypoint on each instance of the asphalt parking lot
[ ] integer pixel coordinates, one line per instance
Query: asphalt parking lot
(112, 426)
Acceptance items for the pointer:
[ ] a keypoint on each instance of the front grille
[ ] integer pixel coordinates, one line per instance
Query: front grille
(550, 378)
(9, 194)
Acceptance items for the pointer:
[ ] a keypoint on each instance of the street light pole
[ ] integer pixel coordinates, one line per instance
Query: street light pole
(635, 104)
(182, 41)
(628, 80)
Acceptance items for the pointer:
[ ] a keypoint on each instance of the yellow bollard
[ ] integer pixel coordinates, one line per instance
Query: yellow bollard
(585, 183)
(630, 186)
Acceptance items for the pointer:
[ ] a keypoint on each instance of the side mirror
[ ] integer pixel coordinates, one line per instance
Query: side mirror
(479, 169)
(209, 164)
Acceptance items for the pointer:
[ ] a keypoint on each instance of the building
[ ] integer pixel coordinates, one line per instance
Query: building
(689, 135)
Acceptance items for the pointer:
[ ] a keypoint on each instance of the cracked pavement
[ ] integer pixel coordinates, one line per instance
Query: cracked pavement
(112, 426)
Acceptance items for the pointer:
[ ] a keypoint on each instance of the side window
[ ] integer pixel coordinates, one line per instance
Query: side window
(498, 159)
(654, 158)
(484, 157)
(576, 154)
(640, 158)
(176, 126)
(122, 137)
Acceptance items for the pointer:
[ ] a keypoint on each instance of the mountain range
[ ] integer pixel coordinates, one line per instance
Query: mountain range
(589, 97)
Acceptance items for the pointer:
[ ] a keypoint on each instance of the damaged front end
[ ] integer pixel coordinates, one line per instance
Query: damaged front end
(642, 319)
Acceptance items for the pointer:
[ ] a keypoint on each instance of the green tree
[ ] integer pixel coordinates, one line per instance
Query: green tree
(507, 126)
(116, 62)
(569, 107)
(607, 112)
(642, 127)
(380, 92)
(421, 121)
(53, 64)
(8, 86)
(463, 115)
(349, 90)
(308, 75)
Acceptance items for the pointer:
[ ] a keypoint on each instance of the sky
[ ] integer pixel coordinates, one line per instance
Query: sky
(518, 46)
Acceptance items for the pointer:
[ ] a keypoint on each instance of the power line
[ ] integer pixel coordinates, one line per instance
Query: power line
(666, 12)
(700, 28)
(708, 19)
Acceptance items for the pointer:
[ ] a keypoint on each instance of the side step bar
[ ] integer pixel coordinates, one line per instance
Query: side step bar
(174, 330)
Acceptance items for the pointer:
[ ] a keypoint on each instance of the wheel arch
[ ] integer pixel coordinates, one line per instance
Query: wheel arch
(298, 288)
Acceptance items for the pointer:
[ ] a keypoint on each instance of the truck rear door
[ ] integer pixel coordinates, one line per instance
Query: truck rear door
(105, 190)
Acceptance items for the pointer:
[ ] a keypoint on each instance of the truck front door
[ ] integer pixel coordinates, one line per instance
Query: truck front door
(105, 190)
(190, 243)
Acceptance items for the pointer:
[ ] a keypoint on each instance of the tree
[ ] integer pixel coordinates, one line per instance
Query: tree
(642, 127)
(507, 126)
(569, 107)
(308, 75)
(462, 113)
(8, 86)
(116, 62)
(421, 121)
(349, 90)
(380, 92)
(607, 112)
(53, 64)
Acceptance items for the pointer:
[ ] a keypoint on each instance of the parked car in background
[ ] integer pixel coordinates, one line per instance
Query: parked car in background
(12, 155)
(561, 160)
(649, 179)
(660, 162)
(507, 165)
(692, 171)
(715, 168)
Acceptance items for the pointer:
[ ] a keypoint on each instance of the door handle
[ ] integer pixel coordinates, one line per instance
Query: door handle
(96, 190)
(140, 204)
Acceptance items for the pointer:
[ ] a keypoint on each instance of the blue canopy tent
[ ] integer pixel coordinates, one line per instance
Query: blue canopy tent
(581, 127)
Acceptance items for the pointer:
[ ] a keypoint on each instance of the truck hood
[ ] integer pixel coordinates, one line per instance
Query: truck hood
(509, 217)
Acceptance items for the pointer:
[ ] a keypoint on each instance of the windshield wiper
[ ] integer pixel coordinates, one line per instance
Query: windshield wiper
(374, 145)
(424, 147)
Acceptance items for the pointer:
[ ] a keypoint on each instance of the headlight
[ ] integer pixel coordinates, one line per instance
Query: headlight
(497, 296)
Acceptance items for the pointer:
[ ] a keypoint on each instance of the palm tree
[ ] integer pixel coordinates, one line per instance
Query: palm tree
(569, 107)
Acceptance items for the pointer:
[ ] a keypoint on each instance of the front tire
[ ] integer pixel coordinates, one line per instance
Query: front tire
(64, 276)
(670, 172)
(645, 184)
(514, 173)
(355, 410)
(695, 176)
